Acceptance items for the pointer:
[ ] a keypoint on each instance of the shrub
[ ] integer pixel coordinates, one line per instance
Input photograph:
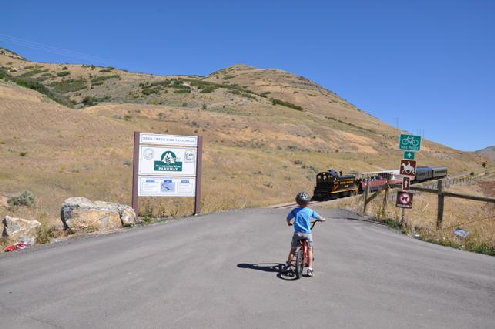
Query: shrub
(63, 73)
(98, 81)
(23, 154)
(26, 198)
(276, 101)
(31, 73)
(35, 85)
(108, 69)
(90, 101)
(69, 85)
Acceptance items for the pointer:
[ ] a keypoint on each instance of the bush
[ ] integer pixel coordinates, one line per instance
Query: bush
(26, 198)
(276, 101)
(90, 101)
(69, 85)
(98, 81)
(63, 73)
(108, 69)
(35, 85)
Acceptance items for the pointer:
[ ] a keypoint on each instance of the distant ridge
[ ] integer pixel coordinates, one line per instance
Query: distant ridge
(489, 152)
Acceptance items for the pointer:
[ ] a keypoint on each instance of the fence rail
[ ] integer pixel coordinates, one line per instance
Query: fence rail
(429, 187)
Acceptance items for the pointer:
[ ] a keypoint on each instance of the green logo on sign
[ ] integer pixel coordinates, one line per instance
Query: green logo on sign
(168, 163)
(410, 143)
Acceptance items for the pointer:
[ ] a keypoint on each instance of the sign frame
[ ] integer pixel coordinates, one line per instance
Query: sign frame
(171, 142)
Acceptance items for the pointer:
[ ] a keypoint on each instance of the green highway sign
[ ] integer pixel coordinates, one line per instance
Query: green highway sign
(410, 142)
(409, 155)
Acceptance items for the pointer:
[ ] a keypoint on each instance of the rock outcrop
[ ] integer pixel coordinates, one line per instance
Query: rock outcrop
(18, 229)
(81, 214)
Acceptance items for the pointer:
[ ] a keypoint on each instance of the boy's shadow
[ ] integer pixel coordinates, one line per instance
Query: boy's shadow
(270, 267)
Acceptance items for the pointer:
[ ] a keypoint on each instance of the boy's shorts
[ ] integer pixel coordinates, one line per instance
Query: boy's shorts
(301, 236)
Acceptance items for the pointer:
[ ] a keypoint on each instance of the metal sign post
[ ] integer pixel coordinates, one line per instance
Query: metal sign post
(409, 144)
(167, 166)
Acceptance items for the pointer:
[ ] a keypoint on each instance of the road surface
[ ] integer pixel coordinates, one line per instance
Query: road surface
(220, 271)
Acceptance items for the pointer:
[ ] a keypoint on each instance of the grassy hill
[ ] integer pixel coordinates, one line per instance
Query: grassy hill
(67, 130)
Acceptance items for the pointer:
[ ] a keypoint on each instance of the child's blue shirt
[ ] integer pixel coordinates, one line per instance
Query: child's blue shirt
(302, 222)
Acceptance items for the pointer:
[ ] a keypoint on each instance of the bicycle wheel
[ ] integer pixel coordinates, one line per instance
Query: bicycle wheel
(299, 263)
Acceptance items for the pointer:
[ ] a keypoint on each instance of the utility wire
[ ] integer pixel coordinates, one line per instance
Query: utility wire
(74, 55)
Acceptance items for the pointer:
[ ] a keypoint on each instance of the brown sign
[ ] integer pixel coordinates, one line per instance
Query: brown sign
(404, 200)
(408, 168)
(406, 183)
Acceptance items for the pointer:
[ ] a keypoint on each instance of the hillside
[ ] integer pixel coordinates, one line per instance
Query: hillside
(66, 130)
(488, 152)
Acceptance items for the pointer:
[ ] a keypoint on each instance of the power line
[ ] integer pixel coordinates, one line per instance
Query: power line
(50, 49)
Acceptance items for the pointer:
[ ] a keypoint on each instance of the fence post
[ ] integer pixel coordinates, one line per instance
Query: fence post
(440, 204)
(385, 199)
(366, 191)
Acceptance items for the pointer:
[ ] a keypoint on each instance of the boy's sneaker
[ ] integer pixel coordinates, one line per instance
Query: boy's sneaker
(310, 272)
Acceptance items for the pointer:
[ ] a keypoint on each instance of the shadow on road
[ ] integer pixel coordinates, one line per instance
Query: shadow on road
(270, 267)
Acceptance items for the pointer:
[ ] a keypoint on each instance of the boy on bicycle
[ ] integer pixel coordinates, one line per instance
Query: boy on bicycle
(302, 216)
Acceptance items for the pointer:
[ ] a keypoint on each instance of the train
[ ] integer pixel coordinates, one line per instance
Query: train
(429, 173)
(332, 184)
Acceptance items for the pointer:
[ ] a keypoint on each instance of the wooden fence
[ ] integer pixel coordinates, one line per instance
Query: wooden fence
(436, 187)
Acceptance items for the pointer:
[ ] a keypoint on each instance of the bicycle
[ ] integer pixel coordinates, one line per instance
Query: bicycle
(301, 255)
(409, 140)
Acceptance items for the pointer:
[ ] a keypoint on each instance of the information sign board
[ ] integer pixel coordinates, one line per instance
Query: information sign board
(167, 186)
(410, 142)
(408, 168)
(406, 183)
(167, 166)
(409, 155)
(171, 161)
(404, 200)
(159, 139)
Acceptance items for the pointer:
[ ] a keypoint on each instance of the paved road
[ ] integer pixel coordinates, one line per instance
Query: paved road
(219, 271)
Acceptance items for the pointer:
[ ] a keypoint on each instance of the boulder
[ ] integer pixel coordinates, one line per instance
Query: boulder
(83, 214)
(20, 229)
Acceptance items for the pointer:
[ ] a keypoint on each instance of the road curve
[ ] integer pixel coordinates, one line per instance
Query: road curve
(220, 271)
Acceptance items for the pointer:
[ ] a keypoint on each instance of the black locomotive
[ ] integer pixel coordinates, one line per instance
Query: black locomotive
(332, 185)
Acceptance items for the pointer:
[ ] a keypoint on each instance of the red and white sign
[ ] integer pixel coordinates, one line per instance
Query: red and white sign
(408, 168)
(406, 183)
(404, 200)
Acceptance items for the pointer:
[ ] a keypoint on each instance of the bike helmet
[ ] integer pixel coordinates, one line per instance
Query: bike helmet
(302, 198)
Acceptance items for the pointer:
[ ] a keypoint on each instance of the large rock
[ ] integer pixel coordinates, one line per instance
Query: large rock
(83, 214)
(19, 229)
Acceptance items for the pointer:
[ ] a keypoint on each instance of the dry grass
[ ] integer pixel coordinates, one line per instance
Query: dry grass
(475, 216)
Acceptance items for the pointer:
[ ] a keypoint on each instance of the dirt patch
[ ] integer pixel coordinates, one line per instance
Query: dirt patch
(488, 188)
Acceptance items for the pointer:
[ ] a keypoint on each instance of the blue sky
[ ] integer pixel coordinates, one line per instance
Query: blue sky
(428, 65)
